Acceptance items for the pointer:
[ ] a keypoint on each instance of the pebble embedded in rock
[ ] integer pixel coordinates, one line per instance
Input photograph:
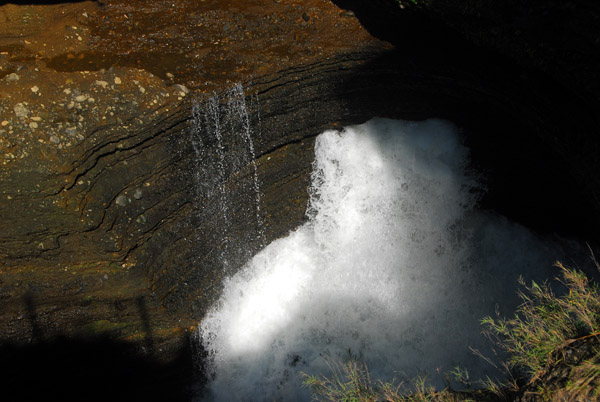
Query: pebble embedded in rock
(121, 201)
(138, 194)
(70, 131)
(305, 17)
(347, 14)
(101, 83)
(54, 139)
(21, 110)
(169, 75)
(33, 124)
(182, 89)
(34, 89)
(12, 77)
(4, 123)
(118, 81)
(80, 98)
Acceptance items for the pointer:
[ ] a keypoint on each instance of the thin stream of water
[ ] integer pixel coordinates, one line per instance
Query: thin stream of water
(219, 122)
(237, 105)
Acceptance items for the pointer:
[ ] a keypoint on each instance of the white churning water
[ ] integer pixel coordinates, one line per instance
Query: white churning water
(394, 267)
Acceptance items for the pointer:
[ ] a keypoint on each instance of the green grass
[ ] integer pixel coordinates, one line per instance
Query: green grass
(543, 325)
(544, 322)
(351, 382)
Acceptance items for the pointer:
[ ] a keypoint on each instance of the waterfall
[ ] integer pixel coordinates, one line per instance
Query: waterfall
(237, 110)
(395, 267)
(218, 125)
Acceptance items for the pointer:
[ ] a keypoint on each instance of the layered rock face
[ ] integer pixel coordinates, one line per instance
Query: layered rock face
(110, 195)
(123, 206)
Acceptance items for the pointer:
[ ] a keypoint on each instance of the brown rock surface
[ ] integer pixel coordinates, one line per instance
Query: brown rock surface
(94, 104)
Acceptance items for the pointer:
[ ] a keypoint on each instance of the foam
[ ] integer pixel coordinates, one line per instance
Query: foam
(394, 267)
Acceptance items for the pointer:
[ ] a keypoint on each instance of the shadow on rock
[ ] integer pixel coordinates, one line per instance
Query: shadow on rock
(100, 369)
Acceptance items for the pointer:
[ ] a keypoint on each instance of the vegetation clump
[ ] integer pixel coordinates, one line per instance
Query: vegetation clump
(544, 322)
(351, 382)
(552, 343)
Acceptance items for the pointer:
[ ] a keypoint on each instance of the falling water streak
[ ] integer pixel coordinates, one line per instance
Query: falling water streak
(212, 120)
(237, 103)
(212, 116)
(218, 123)
(197, 145)
(196, 138)
(211, 181)
(259, 221)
